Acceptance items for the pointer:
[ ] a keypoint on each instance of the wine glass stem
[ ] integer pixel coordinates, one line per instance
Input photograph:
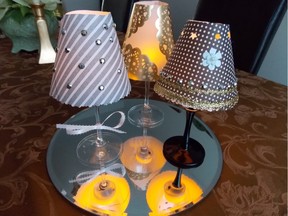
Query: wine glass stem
(144, 143)
(99, 143)
(102, 5)
(147, 92)
(177, 181)
(189, 120)
(99, 138)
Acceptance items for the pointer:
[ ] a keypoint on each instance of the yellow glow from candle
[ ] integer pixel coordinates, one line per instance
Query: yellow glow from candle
(115, 204)
(160, 202)
(148, 38)
(152, 51)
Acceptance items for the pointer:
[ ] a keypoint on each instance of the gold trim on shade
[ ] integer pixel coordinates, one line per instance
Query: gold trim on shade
(185, 98)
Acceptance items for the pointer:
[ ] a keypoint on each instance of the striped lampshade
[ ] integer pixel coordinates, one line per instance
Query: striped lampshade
(89, 67)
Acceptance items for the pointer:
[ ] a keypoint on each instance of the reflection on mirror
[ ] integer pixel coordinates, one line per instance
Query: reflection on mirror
(69, 175)
(164, 198)
(143, 159)
(95, 197)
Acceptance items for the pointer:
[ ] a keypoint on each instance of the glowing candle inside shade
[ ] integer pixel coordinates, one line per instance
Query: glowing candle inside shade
(148, 40)
(147, 46)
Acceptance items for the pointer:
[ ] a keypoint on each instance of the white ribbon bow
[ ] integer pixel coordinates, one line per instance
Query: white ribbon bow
(80, 129)
(86, 177)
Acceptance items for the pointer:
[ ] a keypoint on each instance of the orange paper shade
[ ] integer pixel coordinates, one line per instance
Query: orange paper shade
(148, 41)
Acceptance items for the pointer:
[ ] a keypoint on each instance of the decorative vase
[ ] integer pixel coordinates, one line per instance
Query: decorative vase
(24, 33)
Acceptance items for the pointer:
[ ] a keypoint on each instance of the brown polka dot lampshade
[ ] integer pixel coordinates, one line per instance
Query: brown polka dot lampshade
(200, 72)
(89, 67)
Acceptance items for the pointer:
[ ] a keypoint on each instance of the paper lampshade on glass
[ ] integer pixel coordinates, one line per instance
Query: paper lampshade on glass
(147, 46)
(149, 40)
(199, 75)
(90, 71)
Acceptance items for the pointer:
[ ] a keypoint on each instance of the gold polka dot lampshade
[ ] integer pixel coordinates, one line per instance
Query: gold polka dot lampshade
(149, 40)
(89, 66)
(200, 72)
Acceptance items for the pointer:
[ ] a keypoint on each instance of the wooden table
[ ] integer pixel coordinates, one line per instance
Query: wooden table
(253, 138)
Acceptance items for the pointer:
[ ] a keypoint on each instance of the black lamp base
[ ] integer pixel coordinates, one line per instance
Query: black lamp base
(190, 157)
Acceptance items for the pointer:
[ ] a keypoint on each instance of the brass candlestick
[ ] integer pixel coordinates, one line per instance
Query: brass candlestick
(47, 52)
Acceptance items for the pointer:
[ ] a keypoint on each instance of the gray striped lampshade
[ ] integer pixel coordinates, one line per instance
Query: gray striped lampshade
(200, 72)
(89, 67)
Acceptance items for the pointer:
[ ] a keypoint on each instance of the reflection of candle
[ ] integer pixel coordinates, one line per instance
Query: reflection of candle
(139, 170)
(115, 203)
(162, 201)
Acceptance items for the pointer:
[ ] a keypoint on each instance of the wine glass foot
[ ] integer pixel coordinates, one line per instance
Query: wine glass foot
(148, 117)
(189, 157)
(90, 153)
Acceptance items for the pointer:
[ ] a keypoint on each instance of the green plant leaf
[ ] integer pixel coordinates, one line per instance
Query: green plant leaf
(3, 12)
(15, 14)
(50, 4)
(22, 7)
(5, 3)
(22, 2)
(25, 10)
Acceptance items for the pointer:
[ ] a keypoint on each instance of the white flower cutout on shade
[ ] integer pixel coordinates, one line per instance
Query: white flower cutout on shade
(211, 59)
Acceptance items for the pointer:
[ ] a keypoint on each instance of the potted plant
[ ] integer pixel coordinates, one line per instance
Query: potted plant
(17, 21)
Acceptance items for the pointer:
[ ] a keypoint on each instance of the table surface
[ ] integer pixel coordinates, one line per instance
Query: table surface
(253, 139)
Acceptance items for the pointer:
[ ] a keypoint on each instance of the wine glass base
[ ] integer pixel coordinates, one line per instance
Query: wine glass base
(90, 154)
(145, 117)
(183, 158)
